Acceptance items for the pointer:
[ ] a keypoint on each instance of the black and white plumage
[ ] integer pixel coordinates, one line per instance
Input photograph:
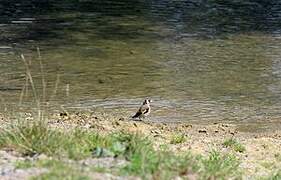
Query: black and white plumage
(144, 110)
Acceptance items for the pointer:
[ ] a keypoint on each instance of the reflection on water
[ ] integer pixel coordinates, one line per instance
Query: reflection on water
(209, 61)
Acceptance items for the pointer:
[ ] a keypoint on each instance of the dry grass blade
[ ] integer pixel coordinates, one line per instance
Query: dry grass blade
(28, 73)
(56, 87)
(42, 75)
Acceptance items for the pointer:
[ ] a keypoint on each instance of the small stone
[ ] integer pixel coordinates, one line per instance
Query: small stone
(187, 126)
(92, 126)
(42, 157)
(202, 131)
(88, 126)
(62, 114)
(101, 81)
(132, 52)
(155, 131)
(116, 123)
(121, 119)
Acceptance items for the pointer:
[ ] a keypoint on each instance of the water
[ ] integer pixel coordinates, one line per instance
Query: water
(199, 61)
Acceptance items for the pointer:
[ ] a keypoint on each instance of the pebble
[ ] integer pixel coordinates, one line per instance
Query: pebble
(202, 131)
(121, 119)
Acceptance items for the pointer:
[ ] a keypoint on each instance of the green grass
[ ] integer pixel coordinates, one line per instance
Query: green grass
(143, 159)
(278, 157)
(235, 145)
(60, 170)
(24, 164)
(268, 164)
(276, 175)
(37, 138)
(218, 166)
(56, 169)
(159, 164)
(178, 138)
(30, 138)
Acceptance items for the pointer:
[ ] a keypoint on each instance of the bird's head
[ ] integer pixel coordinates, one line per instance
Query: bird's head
(147, 101)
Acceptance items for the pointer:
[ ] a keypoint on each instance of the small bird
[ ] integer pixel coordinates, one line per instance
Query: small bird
(144, 110)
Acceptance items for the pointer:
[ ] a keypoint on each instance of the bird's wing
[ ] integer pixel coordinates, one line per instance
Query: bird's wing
(144, 109)
(137, 114)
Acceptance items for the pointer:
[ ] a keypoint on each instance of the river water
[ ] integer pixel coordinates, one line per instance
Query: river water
(200, 61)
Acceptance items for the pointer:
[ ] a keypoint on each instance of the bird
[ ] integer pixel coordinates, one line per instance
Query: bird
(144, 110)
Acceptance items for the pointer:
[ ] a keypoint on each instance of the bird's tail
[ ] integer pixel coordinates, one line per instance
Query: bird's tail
(136, 115)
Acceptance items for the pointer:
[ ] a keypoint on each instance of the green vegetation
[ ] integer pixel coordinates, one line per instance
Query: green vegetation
(268, 165)
(275, 175)
(60, 170)
(278, 156)
(37, 138)
(160, 164)
(143, 159)
(56, 169)
(24, 164)
(218, 166)
(234, 144)
(178, 138)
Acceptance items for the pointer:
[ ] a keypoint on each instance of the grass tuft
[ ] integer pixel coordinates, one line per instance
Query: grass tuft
(60, 170)
(24, 164)
(30, 138)
(275, 175)
(178, 138)
(235, 145)
(218, 166)
(146, 162)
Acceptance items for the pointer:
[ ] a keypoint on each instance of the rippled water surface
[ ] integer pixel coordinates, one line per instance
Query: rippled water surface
(199, 61)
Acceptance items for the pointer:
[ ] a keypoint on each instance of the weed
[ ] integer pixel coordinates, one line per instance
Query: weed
(60, 170)
(24, 164)
(268, 165)
(146, 162)
(178, 139)
(36, 138)
(274, 176)
(217, 166)
(234, 144)
(278, 156)
(31, 138)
